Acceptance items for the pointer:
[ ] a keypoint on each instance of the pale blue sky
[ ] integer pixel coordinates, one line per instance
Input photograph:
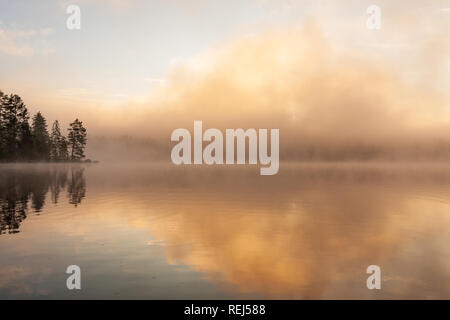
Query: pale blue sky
(122, 48)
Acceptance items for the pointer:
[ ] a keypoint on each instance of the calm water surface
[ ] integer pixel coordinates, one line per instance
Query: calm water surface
(160, 231)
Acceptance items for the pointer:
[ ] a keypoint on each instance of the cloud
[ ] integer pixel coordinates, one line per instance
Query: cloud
(155, 80)
(114, 4)
(10, 45)
(327, 102)
(20, 42)
(46, 31)
(334, 88)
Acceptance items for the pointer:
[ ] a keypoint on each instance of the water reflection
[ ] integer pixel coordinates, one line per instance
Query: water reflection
(25, 187)
(157, 231)
(76, 187)
(309, 232)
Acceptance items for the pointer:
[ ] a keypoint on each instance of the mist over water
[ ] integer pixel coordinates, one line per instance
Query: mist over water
(161, 231)
(329, 103)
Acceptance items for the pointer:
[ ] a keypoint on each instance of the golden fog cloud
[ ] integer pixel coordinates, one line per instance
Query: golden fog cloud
(327, 102)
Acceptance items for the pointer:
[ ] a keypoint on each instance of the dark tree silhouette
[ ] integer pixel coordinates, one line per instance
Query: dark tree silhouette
(26, 143)
(77, 140)
(20, 142)
(2, 129)
(41, 138)
(63, 149)
(58, 144)
(15, 128)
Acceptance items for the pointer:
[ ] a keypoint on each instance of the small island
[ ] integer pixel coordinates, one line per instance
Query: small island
(22, 142)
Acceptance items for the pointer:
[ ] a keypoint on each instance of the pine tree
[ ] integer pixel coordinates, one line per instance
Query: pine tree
(77, 140)
(26, 144)
(58, 144)
(63, 149)
(15, 127)
(19, 141)
(41, 138)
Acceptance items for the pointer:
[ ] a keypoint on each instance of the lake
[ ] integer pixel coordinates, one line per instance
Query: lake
(158, 231)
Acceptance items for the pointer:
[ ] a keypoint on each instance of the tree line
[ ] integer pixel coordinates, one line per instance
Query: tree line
(20, 141)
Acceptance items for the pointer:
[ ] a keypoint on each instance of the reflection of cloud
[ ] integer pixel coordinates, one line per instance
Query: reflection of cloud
(9, 275)
(338, 229)
(21, 280)
(308, 233)
(155, 243)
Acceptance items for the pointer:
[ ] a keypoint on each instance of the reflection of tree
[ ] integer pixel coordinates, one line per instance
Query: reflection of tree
(39, 184)
(18, 186)
(13, 202)
(58, 181)
(77, 186)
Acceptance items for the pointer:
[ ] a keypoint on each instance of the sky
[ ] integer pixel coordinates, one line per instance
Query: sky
(140, 64)
(124, 48)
